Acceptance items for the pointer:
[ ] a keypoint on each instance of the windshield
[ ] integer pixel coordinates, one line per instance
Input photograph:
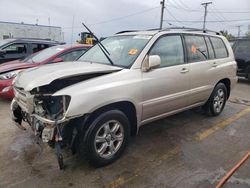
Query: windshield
(43, 55)
(123, 50)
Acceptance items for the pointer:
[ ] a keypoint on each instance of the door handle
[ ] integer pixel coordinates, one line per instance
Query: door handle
(184, 70)
(214, 64)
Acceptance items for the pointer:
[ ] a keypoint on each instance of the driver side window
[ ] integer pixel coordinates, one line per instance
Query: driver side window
(16, 49)
(170, 50)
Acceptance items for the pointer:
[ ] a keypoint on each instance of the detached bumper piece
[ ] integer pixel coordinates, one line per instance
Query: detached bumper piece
(16, 115)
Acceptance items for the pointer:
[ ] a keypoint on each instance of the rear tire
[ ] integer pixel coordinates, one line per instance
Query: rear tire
(216, 102)
(106, 138)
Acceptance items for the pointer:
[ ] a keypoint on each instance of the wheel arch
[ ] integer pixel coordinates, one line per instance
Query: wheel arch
(127, 107)
(227, 83)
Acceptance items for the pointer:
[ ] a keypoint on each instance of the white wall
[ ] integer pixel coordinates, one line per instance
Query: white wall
(30, 31)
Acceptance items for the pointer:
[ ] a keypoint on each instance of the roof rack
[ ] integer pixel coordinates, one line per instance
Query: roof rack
(175, 28)
(31, 38)
(37, 39)
(126, 31)
(192, 29)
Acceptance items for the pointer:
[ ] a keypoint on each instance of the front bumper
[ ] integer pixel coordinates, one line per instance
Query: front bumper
(15, 104)
(48, 121)
(6, 90)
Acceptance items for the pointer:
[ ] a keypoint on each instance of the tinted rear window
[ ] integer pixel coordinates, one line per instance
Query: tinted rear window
(219, 47)
(196, 48)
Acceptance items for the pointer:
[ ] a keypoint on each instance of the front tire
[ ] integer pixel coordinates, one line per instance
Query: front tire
(217, 100)
(105, 139)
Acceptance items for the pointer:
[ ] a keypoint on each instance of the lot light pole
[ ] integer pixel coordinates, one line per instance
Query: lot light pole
(162, 12)
(239, 30)
(205, 13)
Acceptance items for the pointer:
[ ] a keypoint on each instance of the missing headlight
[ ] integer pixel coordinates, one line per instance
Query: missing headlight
(51, 107)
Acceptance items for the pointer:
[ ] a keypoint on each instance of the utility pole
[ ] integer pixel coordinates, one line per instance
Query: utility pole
(162, 12)
(205, 13)
(72, 29)
(49, 28)
(239, 30)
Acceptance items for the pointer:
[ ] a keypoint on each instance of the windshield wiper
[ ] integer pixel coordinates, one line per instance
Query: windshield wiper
(103, 49)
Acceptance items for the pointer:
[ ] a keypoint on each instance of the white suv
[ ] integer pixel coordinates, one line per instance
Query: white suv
(97, 102)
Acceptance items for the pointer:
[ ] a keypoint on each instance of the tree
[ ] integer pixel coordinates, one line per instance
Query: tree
(228, 35)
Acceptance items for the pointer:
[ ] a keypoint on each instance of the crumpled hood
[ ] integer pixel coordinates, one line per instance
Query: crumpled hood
(44, 75)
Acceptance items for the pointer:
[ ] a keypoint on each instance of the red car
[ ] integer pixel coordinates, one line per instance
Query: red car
(55, 54)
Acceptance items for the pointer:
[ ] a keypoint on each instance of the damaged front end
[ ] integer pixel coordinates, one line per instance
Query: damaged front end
(46, 113)
(46, 117)
(37, 101)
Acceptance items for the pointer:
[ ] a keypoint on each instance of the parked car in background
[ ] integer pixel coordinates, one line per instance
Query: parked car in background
(55, 54)
(113, 89)
(231, 42)
(19, 48)
(241, 48)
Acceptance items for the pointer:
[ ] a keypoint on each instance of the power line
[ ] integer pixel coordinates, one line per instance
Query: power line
(211, 21)
(219, 13)
(198, 10)
(123, 17)
(174, 17)
(183, 4)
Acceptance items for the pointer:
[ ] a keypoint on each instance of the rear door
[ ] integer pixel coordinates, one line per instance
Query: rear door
(165, 89)
(204, 66)
(36, 47)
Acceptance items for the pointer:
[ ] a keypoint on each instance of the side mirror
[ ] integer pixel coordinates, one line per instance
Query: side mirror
(57, 60)
(151, 62)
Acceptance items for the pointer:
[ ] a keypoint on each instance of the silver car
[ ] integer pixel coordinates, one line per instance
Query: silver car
(132, 78)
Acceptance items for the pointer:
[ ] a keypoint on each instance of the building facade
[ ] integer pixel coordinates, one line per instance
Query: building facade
(22, 30)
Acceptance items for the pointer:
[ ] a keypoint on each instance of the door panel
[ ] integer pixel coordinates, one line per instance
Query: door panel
(165, 90)
(202, 78)
(202, 70)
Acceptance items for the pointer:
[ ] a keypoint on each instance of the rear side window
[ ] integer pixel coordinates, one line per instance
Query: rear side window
(38, 47)
(211, 54)
(219, 47)
(196, 48)
(16, 49)
(170, 50)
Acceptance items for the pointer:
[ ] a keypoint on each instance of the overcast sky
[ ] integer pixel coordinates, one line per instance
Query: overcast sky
(110, 16)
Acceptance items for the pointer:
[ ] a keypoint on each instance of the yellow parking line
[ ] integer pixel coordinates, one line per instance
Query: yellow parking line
(203, 135)
(120, 181)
